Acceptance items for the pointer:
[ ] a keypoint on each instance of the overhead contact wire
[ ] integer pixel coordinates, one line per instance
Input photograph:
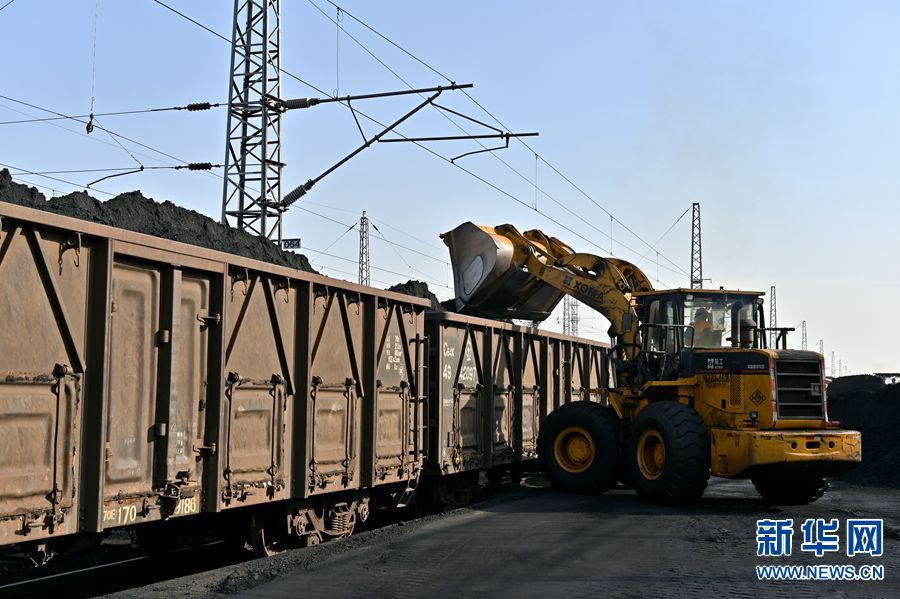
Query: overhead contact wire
(427, 149)
(499, 122)
(457, 125)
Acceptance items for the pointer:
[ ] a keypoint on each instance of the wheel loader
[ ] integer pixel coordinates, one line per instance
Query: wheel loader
(696, 390)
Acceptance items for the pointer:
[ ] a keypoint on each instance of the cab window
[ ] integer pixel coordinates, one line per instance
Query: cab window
(661, 338)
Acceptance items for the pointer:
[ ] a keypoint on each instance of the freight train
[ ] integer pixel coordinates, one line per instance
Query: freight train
(152, 385)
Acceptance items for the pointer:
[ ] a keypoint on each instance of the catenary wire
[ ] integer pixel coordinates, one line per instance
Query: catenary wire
(116, 113)
(26, 171)
(354, 227)
(461, 128)
(427, 149)
(91, 137)
(83, 122)
(117, 137)
(666, 232)
(499, 122)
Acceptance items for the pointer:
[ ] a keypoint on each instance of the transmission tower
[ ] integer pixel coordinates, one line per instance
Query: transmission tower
(773, 318)
(252, 192)
(365, 268)
(696, 250)
(570, 316)
(840, 368)
(822, 347)
(803, 335)
(832, 364)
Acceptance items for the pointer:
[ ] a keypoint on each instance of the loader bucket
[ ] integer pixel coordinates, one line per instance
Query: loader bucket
(489, 277)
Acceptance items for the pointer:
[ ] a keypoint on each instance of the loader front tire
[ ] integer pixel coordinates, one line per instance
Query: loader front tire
(578, 445)
(668, 454)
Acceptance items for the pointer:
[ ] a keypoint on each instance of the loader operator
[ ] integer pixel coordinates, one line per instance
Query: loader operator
(702, 328)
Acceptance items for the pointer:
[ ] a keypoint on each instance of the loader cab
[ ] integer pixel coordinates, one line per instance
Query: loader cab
(676, 322)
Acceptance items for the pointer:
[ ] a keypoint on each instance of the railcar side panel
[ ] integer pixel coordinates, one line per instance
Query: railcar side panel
(534, 386)
(399, 403)
(501, 411)
(260, 312)
(42, 300)
(334, 408)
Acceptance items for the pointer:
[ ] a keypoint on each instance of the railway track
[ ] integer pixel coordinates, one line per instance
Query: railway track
(121, 574)
(122, 567)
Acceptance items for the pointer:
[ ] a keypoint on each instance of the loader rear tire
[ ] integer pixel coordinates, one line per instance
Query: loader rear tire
(668, 454)
(790, 491)
(579, 447)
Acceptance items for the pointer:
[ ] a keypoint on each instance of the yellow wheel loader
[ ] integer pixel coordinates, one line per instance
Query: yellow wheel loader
(697, 391)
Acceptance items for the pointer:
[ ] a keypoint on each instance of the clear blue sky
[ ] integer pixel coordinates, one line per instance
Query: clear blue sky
(781, 119)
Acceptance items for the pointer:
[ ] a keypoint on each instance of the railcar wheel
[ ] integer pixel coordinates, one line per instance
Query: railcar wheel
(669, 454)
(790, 491)
(579, 447)
(268, 532)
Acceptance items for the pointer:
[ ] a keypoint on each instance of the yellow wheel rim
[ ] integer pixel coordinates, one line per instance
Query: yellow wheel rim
(574, 450)
(651, 454)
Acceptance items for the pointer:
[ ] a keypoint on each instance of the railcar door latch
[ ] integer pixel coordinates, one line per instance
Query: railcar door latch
(201, 448)
(207, 320)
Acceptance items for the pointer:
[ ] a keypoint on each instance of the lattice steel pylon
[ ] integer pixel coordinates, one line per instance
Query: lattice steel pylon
(832, 364)
(773, 317)
(365, 268)
(696, 249)
(570, 316)
(252, 191)
(803, 336)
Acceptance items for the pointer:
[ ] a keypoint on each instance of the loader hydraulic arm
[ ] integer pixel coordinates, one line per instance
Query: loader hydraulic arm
(604, 284)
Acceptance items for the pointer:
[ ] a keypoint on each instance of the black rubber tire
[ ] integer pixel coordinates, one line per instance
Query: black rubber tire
(604, 428)
(790, 491)
(685, 471)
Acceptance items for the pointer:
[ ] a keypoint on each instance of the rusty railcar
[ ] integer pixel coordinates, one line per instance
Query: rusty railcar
(152, 384)
(144, 380)
(491, 383)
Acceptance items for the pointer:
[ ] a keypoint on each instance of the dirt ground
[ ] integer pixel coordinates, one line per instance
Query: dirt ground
(539, 543)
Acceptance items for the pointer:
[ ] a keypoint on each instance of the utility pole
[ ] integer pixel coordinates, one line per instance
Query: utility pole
(365, 269)
(773, 318)
(252, 191)
(696, 250)
(803, 337)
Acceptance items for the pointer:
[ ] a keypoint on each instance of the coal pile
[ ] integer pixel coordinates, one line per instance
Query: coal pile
(419, 289)
(137, 213)
(864, 403)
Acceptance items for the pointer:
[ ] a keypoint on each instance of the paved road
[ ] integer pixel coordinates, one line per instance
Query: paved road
(549, 544)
